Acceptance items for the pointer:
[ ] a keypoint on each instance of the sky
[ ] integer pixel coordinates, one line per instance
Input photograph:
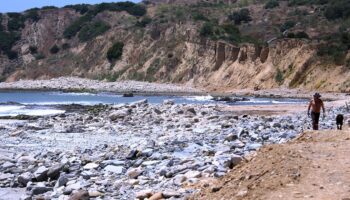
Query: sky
(21, 5)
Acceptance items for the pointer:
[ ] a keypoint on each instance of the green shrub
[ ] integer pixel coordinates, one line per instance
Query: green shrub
(287, 25)
(75, 27)
(54, 49)
(347, 63)
(137, 10)
(1, 27)
(300, 35)
(207, 30)
(39, 56)
(115, 52)
(131, 8)
(241, 16)
(65, 46)
(298, 2)
(228, 32)
(154, 67)
(279, 77)
(335, 52)
(92, 30)
(143, 22)
(338, 9)
(197, 16)
(7, 40)
(12, 54)
(32, 14)
(81, 8)
(15, 22)
(33, 49)
(49, 8)
(271, 4)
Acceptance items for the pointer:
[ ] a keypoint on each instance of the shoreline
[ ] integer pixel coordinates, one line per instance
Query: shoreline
(81, 85)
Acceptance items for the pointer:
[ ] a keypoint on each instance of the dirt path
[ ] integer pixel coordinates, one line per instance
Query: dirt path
(314, 166)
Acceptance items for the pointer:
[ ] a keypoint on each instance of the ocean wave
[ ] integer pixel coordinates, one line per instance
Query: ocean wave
(258, 101)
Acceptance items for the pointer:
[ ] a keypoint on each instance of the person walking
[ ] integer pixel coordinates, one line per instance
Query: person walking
(315, 105)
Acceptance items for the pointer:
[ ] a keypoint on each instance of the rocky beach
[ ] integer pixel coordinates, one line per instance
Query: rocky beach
(135, 150)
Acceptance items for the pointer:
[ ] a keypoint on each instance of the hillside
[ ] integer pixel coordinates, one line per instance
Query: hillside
(218, 45)
(313, 166)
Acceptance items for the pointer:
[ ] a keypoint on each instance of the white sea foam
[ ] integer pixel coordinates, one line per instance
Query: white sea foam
(65, 103)
(7, 108)
(33, 112)
(258, 101)
(85, 94)
(21, 110)
(287, 102)
(199, 98)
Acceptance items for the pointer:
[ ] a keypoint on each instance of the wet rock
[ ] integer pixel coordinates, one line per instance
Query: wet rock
(157, 111)
(128, 95)
(168, 102)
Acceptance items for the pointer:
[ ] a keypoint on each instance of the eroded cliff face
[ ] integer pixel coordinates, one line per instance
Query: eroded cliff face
(168, 53)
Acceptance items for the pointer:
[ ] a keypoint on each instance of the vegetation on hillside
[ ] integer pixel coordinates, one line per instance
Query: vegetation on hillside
(91, 30)
(115, 52)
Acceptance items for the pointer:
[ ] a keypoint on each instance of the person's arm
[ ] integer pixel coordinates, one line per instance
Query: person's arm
(308, 110)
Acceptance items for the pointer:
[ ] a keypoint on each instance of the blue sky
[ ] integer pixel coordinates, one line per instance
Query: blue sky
(21, 5)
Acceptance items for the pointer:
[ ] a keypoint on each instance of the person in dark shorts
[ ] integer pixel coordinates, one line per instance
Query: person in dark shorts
(315, 105)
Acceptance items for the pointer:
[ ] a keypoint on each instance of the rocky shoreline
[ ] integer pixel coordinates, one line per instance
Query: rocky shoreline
(74, 84)
(137, 150)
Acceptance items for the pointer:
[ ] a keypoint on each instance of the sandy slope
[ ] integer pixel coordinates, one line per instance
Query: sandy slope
(314, 166)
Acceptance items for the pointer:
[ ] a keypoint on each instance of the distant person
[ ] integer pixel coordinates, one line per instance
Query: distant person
(315, 105)
(339, 120)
